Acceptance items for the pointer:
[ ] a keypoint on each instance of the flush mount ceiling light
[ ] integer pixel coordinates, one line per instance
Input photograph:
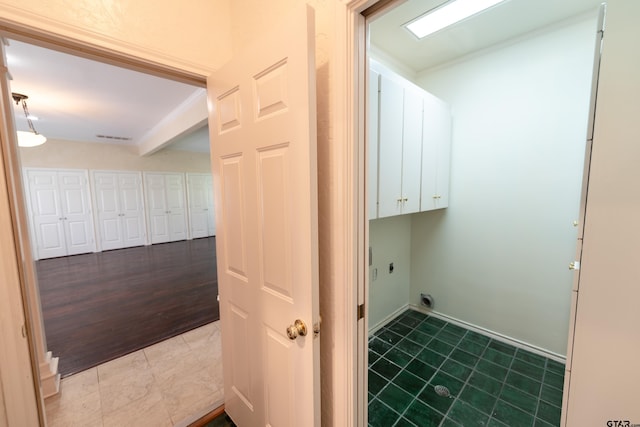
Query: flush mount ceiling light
(448, 14)
(31, 138)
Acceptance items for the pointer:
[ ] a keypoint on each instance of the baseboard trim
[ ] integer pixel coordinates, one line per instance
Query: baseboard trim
(492, 334)
(389, 318)
(49, 376)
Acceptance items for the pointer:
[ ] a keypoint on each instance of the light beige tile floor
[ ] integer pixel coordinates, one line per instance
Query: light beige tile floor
(167, 384)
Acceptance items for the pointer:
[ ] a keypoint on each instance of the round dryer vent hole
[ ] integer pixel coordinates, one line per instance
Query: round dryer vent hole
(442, 391)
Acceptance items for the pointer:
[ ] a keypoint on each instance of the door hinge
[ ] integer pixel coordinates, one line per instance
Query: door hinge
(361, 311)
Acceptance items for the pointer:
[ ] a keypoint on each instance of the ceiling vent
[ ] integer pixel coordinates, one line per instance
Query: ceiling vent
(115, 138)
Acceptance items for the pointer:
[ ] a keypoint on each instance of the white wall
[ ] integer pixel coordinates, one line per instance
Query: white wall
(498, 256)
(390, 241)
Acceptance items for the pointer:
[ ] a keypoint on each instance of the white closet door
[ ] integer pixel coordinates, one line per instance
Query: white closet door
(211, 218)
(131, 209)
(176, 203)
(46, 214)
(198, 205)
(157, 208)
(411, 150)
(76, 209)
(390, 151)
(108, 206)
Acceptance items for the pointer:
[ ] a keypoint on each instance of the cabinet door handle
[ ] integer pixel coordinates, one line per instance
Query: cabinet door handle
(437, 197)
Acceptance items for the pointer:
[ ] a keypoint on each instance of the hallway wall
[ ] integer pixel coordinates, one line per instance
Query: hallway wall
(90, 155)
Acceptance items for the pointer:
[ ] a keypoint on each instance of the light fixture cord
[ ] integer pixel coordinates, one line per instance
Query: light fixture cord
(26, 113)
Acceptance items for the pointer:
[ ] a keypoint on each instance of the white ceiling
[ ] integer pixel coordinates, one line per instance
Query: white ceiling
(504, 21)
(77, 99)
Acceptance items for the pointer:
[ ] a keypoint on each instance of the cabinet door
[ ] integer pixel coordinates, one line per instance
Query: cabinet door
(108, 206)
(390, 148)
(46, 214)
(198, 205)
(131, 209)
(176, 204)
(411, 150)
(76, 210)
(436, 151)
(157, 207)
(372, 142)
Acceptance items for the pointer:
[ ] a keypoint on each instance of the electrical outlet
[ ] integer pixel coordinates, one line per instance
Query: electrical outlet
(374, 274)
(390, 268)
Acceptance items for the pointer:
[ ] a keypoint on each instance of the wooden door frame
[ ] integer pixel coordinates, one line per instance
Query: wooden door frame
(91, 47)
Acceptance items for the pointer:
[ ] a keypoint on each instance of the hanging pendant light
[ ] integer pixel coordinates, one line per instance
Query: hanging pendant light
(29, 138)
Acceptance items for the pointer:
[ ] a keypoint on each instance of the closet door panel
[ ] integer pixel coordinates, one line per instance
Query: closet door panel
(176, 203)
(46, 214)
(107, 204)
(76, 209)
(390, 148)
(131, 210)
(411, 151)
(157, 208)
(198, 214)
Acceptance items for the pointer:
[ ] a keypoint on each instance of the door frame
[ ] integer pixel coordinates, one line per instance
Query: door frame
(91, 47)
(352, 49)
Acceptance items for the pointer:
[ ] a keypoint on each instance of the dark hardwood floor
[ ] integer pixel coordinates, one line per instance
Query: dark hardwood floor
(97, 307)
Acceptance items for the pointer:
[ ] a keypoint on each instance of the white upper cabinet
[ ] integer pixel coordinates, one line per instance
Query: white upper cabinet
(120, 211)
(390, 148)
(409, 135)
(411, 150)
(436, 153)
(372, 147)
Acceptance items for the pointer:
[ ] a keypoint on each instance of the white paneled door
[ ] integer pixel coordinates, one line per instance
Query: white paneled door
(118, 198)
(166, 206)
(60, 212)
(200, 200)
(263, 132)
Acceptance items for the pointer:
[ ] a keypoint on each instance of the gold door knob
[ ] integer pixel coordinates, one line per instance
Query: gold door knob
(298, 328)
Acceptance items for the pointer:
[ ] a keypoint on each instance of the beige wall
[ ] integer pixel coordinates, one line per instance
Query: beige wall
(87, 155)
(192, 35)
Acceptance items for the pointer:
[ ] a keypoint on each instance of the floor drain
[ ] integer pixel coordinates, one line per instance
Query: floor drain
(442, 391)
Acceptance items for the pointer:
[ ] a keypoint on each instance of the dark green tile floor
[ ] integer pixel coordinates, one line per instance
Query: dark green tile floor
(490, 383)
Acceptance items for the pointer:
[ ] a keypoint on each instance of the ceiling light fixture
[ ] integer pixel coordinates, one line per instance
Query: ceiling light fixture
(31, 138)
(446, 15)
